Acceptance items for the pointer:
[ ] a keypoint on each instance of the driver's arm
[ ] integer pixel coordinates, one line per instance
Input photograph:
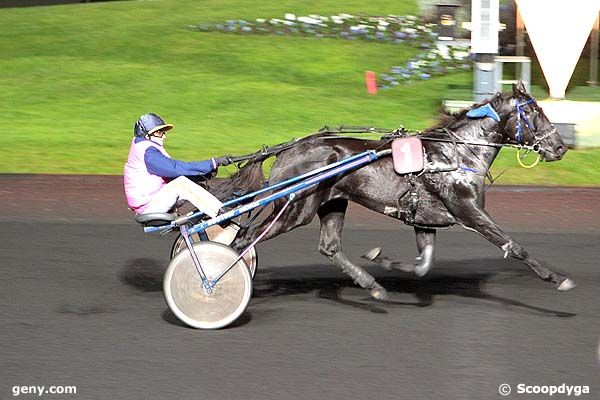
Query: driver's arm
(163, 166)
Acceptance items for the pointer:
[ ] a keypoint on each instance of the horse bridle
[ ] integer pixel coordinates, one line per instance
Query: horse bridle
(522, 116)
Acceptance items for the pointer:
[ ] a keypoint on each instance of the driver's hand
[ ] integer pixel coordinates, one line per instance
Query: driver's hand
(224, 160)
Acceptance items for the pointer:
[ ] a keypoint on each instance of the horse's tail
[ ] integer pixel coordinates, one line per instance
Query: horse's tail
(248, 178)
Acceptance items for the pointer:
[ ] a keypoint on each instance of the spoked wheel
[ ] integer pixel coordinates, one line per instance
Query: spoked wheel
(187, 297)
(217, 233)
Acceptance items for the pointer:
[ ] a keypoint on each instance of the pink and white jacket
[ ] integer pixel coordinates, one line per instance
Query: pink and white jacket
(149, 167)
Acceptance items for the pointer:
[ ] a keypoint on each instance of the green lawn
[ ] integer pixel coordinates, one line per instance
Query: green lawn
(75, 78)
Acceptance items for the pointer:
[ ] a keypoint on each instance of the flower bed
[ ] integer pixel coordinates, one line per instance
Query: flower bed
(435, 59)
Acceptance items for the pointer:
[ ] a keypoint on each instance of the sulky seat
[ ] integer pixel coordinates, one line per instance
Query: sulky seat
(156, 219)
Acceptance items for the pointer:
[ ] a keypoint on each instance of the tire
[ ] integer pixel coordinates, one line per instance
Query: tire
(218, 234)
(187, 298)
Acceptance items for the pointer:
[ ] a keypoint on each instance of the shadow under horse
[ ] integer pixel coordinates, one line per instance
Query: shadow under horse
(458, 150)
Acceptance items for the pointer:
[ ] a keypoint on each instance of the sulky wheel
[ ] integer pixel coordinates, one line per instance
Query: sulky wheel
(187, 297)
(217, 233)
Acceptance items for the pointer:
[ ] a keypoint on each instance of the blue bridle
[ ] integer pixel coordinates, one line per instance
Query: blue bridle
(522, 115)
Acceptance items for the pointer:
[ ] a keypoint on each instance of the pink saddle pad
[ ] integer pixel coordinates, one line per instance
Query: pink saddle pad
(407, 154)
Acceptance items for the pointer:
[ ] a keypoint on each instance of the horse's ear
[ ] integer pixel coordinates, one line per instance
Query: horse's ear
(519, 88)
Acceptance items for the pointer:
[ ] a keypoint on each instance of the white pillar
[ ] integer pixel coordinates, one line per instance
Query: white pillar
(558, 30)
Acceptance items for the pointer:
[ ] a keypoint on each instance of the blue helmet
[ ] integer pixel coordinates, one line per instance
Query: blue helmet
(150, 123)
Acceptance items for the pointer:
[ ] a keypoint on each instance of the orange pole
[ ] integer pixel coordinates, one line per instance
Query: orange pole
(371, 82)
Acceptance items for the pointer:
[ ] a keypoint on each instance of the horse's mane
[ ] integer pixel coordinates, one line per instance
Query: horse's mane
(450, 120)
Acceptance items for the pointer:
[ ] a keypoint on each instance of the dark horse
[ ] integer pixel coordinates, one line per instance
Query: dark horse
(459, 151)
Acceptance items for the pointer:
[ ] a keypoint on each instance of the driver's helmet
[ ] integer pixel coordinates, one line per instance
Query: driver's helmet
(150, 123)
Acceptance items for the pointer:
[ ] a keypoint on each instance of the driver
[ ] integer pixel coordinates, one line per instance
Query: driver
(154, 182)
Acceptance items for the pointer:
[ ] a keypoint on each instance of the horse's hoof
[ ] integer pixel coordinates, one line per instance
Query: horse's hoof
(372, 254)
(425, 261)
(379, 293)
(421, 270)
(567, 284)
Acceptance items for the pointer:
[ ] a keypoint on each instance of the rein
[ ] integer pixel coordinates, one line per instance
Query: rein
(265, 152)
(390, 134)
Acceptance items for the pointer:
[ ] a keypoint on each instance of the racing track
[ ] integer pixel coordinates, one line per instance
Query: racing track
(82, 305)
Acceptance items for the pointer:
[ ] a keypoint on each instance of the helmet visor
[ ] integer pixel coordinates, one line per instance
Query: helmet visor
(164, 128)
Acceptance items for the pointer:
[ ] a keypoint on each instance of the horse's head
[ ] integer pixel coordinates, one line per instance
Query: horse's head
(525, 123)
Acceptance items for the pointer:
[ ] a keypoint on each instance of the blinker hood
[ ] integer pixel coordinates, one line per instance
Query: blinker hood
(484, 111)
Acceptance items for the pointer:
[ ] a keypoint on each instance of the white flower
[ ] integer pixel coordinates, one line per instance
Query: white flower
(261, 20)
(443, 51)
(460, 55)
(308, 20)
(409, 30)
(346, 16)
(384, 23)
(324, 19)
(381, 28)
(337, 20)
(290, 17)
(289, 23)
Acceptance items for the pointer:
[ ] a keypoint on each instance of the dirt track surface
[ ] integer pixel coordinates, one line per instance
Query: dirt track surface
(87, 198)
(82, 305)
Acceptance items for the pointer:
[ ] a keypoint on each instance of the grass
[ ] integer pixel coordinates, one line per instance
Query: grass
(76, 77)
(577, 168)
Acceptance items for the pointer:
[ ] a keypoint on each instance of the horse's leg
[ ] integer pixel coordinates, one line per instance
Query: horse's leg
(424, 262)
(474, 218)
(332, 215)
(425, 246)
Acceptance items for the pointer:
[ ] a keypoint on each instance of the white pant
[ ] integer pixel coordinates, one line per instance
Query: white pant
(183, 189)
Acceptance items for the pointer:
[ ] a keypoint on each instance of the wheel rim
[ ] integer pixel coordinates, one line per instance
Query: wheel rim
(187, 298)
(218, 234)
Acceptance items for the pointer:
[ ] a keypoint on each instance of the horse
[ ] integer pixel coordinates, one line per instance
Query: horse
(459, 151)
